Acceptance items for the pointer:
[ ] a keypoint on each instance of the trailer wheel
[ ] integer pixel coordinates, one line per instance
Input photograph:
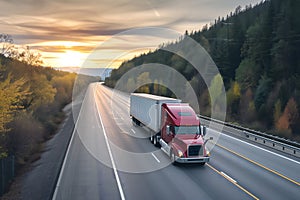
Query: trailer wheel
(136, 122)
(155, 141)
(133, 121)
(151, 139)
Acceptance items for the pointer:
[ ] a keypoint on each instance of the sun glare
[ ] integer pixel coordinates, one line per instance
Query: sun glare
(71, 59)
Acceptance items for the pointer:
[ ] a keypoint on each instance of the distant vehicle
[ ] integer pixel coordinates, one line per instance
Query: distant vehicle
(173, 125)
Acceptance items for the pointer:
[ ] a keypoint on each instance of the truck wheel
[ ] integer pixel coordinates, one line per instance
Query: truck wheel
(155, 141)
(202, 164)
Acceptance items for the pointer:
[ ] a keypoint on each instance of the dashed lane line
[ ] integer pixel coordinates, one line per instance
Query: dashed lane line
(232, 181)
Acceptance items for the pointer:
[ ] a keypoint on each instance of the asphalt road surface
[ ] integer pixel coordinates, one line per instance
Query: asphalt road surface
(110, 158)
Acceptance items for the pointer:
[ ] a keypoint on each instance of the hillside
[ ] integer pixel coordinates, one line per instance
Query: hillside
(257, 53)
(31, 102)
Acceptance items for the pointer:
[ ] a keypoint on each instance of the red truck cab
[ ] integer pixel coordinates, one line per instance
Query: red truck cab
(181, 136)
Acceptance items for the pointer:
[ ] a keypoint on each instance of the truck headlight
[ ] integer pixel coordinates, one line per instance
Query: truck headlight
(180, 154)
(207, 151)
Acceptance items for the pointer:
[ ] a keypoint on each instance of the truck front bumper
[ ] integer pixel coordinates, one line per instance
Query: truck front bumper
(192, 160)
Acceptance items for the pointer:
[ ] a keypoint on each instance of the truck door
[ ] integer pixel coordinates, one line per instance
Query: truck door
(167, 131)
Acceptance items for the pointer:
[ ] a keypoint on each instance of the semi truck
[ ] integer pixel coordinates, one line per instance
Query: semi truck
(173, 125)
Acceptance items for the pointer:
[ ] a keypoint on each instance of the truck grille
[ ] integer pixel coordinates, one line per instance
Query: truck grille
(195, 150)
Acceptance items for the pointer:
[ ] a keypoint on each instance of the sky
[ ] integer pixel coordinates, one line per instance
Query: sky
(68, 32)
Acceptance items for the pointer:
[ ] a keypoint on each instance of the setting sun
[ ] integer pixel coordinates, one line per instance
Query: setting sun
(71, 59)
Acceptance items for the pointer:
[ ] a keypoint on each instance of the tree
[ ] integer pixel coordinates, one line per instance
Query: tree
(11, 97)
(12, 94)
(215, 89)
(289, 117)
(238, 10)
(247, 74)
(131, 85)
(247, 106)
(21, 53)
(29, 56)
(7, 45)
(64, 87)
(262, 92)
(142, 81)
(42, 92)
(156, 87)
(277, 111)
(233, 98)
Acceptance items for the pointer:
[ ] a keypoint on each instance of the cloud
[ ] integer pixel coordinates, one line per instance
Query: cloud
(63, 49)
(91, 22)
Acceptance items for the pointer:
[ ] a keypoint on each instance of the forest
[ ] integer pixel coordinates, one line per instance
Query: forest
(256, 50)
(31, 101)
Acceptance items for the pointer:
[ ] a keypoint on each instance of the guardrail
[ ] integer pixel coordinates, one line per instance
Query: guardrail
(275, 142)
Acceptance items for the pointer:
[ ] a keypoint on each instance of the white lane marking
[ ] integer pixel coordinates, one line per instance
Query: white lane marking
(111, 156)
(228, 177)
(133, 131)
(155, 158)
(67, 155)
(262, 149)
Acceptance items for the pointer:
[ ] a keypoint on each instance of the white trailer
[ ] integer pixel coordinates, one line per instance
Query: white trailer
(146, 109)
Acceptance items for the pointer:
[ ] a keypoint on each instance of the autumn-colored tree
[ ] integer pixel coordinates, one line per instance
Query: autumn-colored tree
(12, 94)
(288, 117)
(233, 98)
(64, 86)
(131, 84)
(215, 89)
(204, 103)
(42, 92)
(247, 106)
(277, 111)
(143, 80)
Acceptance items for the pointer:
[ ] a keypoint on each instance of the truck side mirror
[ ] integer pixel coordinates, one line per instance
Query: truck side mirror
(168, 129)
(204, 130)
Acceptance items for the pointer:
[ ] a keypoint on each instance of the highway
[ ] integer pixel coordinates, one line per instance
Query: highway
(110, 158)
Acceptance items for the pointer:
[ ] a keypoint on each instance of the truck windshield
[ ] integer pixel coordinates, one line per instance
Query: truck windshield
(186, 130)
